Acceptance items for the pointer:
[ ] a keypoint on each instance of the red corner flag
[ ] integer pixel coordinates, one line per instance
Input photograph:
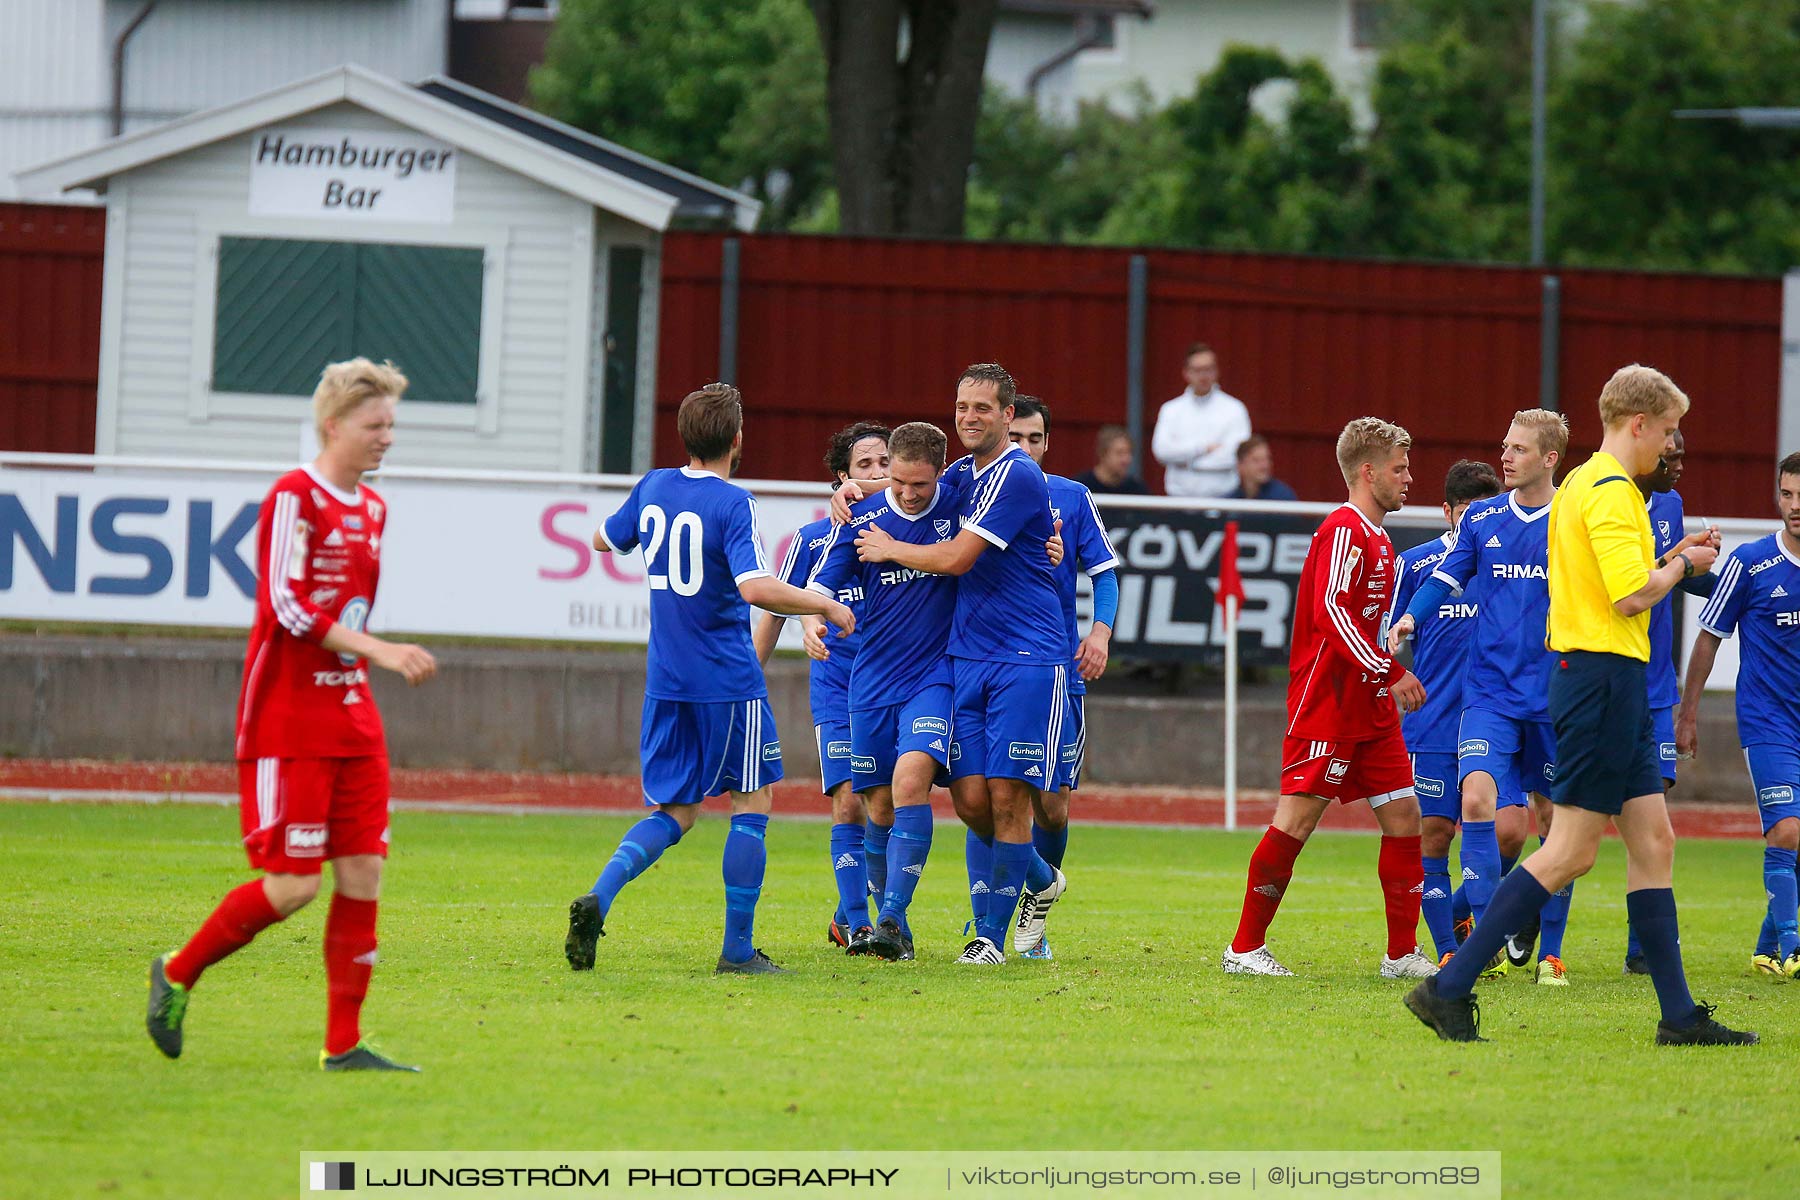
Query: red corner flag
(1230, 582)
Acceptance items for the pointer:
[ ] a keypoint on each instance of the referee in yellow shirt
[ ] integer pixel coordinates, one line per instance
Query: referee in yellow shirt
(1604, 579)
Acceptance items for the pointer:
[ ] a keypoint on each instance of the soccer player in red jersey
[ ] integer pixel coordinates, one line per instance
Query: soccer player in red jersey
(312, 759)
(1343, 737)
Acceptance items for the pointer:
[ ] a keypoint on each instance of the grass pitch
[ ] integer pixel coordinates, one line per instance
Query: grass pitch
(1130, 1039)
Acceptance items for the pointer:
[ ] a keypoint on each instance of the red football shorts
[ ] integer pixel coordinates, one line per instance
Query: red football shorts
(298, 812)
(1377, 770)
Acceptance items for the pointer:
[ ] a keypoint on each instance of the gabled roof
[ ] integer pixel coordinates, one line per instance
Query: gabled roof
(648, 194)
(699, 200)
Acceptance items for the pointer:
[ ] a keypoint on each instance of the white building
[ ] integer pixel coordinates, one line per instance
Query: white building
(507, 263)
(1067, 51)
(74, 72)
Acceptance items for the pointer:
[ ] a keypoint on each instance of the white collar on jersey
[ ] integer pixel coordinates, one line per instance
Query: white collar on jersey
(696, 473)
(999, 458)
(350, 499)
(1373, 527)
(1785, 552)
(893, 501)
(1512, 502)
(1448, 538)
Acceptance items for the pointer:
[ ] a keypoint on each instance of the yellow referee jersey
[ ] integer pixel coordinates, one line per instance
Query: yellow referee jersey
(1600, 552)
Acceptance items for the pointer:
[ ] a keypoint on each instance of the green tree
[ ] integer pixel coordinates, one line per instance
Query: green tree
(732, 91)
(1449, 159)
(1634, 186)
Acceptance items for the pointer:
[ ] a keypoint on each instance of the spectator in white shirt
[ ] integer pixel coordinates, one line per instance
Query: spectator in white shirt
(1198, 432)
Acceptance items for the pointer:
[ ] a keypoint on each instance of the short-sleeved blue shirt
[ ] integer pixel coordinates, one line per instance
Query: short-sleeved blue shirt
(1440, 651)
(906, 614)
(1006, 604)
(828, 682)
(1500, 563)
(1759, 595)
(700, 542)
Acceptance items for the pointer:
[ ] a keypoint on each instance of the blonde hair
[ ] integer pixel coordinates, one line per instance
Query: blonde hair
(1640, 389)
(1367, 439)
(346, 385)
(1552, 429)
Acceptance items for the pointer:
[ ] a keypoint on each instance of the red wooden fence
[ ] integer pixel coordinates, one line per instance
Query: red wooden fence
(833, 329)
(51, 259)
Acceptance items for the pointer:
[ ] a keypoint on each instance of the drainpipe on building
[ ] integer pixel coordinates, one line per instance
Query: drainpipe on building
(118, 65)
(1089, 32)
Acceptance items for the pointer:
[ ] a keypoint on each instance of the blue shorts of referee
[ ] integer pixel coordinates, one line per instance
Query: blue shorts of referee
(1606, 745)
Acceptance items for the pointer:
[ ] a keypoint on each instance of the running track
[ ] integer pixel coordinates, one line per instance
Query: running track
(1204, 808)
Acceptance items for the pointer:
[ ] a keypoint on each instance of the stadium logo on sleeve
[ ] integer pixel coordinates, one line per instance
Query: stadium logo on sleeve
(1770, 797)
(1030, 751)
(332, 1176)
(1473, 748)
(930, 725)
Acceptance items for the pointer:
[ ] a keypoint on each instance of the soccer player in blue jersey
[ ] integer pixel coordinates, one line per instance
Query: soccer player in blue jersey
(1667, 527)
(858, 835)
(707, 727)
(1758, 594)
(1505, 747)
(1009, 656)
(1440, 657)
(1084, 533)
(900, 699)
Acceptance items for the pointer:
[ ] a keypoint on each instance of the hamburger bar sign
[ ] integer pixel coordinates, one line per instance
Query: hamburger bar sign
(352, 175)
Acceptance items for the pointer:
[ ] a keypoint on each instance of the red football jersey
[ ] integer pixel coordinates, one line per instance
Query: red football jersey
(318, 558)
(1338, 668)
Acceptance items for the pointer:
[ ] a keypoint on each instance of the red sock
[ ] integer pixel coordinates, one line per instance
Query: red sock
(242, 914)
(1271, 867)
(349, 961)
(1402, 886)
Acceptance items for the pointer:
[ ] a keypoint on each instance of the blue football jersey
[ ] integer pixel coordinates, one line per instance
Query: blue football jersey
(1085, 549)
(1666, 528)
(1440, 651)
(1759, 594)
(1006, 604)
(828, 682)
(700, 541)
(1499, 563)
(906, 614)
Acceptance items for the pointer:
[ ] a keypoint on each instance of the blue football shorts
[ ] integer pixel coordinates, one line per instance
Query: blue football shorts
(1009, 719)
(691, 750)
(879, 736)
